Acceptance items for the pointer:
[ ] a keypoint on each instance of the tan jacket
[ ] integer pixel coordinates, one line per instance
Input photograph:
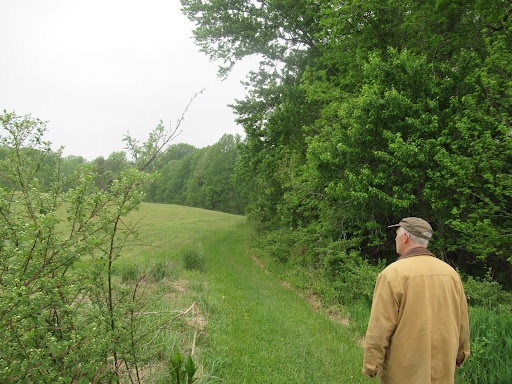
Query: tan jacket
(419, 327)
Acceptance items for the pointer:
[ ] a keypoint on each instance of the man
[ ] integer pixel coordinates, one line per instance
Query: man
(419, 328)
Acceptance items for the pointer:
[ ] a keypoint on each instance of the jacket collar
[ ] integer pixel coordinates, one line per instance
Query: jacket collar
(416, 252)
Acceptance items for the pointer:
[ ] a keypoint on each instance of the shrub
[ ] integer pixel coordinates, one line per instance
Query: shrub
(63, 318)
(487, 293)
(283, 245)
(351, 277)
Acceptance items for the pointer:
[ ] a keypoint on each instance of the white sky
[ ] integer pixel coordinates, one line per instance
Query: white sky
(98, 69)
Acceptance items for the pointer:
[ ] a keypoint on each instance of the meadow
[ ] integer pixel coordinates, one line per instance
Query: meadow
(256, 327)
(253, 327)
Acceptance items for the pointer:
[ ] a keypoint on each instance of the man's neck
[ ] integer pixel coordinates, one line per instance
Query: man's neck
(411, 246)
(415, 251)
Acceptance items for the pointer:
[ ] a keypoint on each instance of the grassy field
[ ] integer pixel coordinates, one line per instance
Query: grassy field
(252, 328)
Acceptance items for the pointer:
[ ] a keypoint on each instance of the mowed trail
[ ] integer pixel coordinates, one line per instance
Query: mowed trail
(260, 331)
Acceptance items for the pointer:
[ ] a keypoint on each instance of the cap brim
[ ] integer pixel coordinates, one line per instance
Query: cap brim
(394, 225)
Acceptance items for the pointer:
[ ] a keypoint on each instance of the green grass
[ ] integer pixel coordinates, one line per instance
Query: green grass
(257, 330)
(263, 332)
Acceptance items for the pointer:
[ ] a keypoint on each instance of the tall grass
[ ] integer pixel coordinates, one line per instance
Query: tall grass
(193, 258)
(491, 347)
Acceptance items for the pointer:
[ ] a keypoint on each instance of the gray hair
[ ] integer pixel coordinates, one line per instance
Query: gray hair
(418, 240)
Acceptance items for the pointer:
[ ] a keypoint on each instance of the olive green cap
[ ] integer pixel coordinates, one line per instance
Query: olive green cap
(416, 226)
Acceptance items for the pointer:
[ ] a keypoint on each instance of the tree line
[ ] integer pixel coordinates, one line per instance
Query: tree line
(185, 175)
(364, 112)
(203, 178)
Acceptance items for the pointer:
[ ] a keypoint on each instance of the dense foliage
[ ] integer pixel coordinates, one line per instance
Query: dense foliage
(364, 112)
(195, 177)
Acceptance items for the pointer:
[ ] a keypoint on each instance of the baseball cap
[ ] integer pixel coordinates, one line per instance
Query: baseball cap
(415, 225)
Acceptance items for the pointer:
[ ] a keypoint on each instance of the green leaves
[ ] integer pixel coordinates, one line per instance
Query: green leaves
(377, 110)
(230, 30)
(181, 372)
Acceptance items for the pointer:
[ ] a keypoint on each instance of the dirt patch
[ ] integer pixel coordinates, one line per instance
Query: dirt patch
(179, 286)
(178, 289)
(335, 314)
(259, 263)
(314, 300)
(199, 319)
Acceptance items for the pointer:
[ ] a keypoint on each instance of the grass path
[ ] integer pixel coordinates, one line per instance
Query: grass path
(258, 330)
(262, 332)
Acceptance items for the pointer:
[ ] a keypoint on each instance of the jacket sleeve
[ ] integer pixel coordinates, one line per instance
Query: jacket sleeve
(464, 348)
(382, 324)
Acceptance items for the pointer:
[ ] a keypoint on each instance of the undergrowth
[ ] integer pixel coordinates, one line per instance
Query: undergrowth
(171, 306)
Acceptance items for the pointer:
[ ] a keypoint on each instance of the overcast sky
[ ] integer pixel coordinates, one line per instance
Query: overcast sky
(99, 69)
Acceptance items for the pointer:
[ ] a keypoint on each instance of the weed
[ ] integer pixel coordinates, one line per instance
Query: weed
(129, 272)
(163, 269)
(487, 293)
(193, 258)
(181, 371)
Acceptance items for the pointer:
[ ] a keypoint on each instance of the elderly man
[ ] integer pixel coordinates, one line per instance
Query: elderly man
(419, 329)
